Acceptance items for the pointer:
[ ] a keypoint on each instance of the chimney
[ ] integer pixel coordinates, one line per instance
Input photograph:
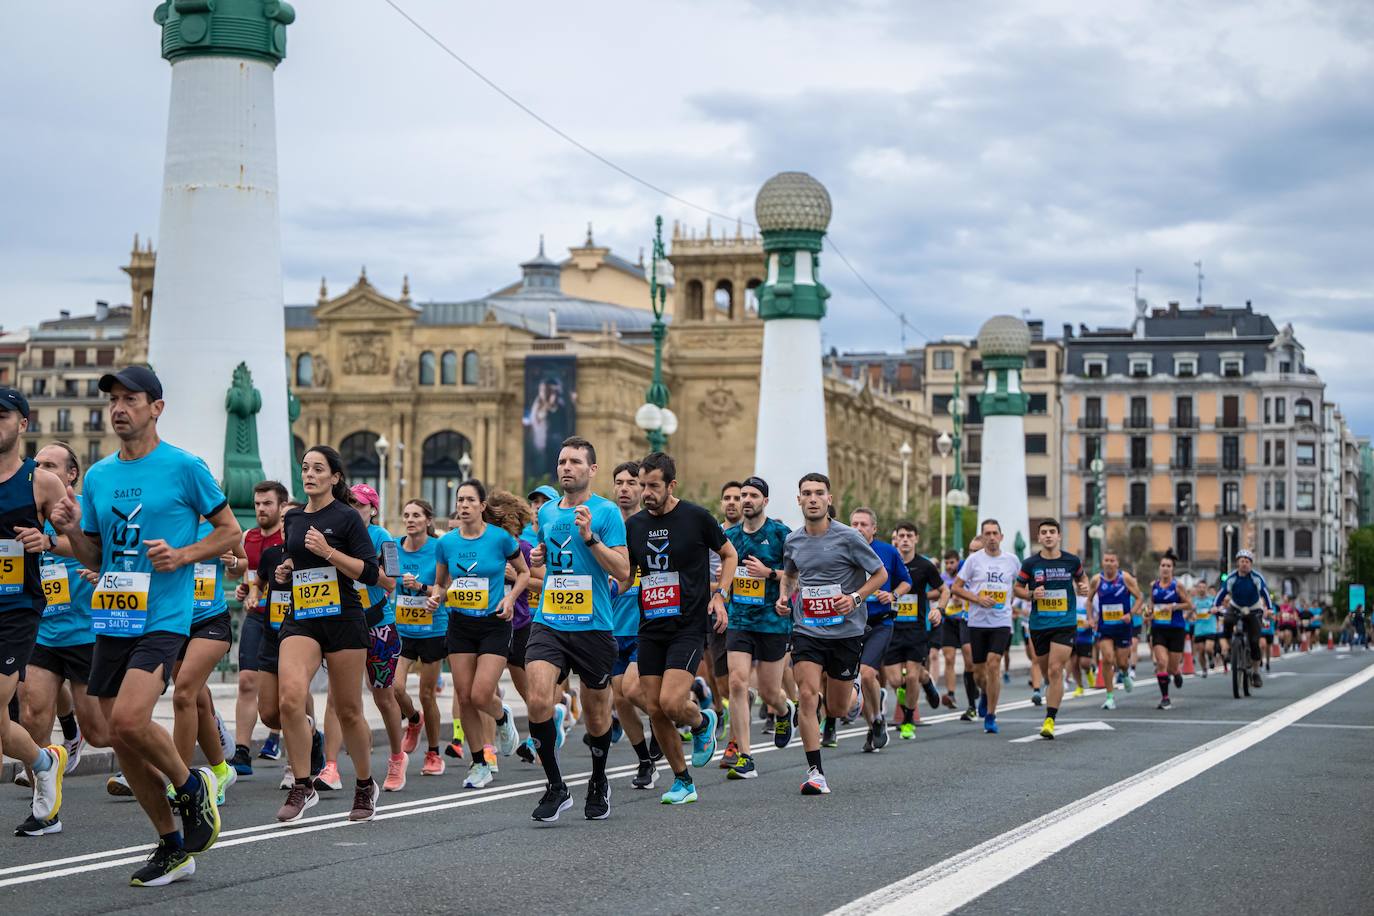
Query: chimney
(1037, 329)
(102, 310)
(1068, 331)
(553, 322)
(64, 314)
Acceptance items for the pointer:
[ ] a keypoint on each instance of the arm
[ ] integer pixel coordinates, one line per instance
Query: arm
(787, 584)
(1133, 587)
(875, 581)
(522, 579)
(729, 559)
(66, 518)
(223, 537)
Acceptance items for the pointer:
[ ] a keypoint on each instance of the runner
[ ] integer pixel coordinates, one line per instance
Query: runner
(508, 511)
(1051, 580)
(882, 611)
(470, 583)
(278, 597)
(1288, 623)
(1170, 606)
(423, 630)
(985, 581)
(582, 540)
(327, 544)
(669, 542)
(831, 571)
(269, 502)
(1246, 593)
(1020, 613)
(915, 623)
(625, 616)
(1204, 628)
(715, 667)
(757, 637)
(137, 522)
(1113, 596)
(63, 650)
(1082, 648)
(954, 634)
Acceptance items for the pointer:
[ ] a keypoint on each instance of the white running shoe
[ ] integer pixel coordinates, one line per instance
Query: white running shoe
(288, 779)
(479, 776)
(226, 740)
(507, 736)
(75, 747)
(47, 785)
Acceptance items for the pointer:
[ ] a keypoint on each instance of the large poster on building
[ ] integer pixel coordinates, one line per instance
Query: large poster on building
(550, 413)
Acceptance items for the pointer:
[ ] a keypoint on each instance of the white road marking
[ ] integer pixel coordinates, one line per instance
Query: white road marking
(968, 875)
(1065, 729)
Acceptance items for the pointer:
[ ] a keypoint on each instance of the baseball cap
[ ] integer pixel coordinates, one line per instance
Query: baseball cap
(13, 399)
(366, 495)
(135, 378)
(758, 483)
(545, 491)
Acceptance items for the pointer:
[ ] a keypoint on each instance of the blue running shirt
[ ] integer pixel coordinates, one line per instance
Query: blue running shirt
(477, 569)
(577, 591)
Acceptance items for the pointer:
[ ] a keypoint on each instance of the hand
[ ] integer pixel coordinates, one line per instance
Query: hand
(582, 517)
(230, 561)
(241, 592)
(507, 609)
(90, 575)
(720, 618)
(883, 597)
(783, 606)
(756, 568)
(986, 601)
(432, 603)
(164, 556)
(510, 573)
(284, 571)
(935, 617)
(66, 515)
(409, 581)
(537, 555)
(1038, 593)
(33, 539)
(1082, 589)
(315, 542)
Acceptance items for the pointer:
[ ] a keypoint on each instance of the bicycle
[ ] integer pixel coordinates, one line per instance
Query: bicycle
(1240, 655)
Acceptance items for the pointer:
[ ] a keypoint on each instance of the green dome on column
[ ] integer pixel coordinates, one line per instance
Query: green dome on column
(1003, 343)
(225, 28)
(793, 212)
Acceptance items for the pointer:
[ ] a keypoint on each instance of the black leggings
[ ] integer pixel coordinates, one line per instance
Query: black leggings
(1252, 632)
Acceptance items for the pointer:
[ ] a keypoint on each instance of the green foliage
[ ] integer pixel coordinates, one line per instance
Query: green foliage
(1359, 568)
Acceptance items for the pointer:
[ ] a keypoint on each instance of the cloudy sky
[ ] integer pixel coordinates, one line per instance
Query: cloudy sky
(982, 158)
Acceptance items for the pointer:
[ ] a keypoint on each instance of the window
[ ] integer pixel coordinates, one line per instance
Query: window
(1139, 460)
(359, 454)
(1139, 499)
(472, 366)
(49, 358)
(1183, 543)
(1280, 451)
(1230, 498)
(1305, 498)
(1302, 409)
(305, 370)
(1232, 367)
(1230, 411)
(1142, 367)
(441, 469)
(92, 452)
(1302, 543)
(1268, 543)
(1038, 359)
(1037, 486)
(427, 368)
(1095, 367)
(1285, 366)
(64, 420)
(943, 360)
(95, 420)
(31, 448)
(1268, 410)
(1268, 454)
(40, 386)
(1268, 494)
(1089, 498)
(1183, 410)
(69, 388)
(1183, 498)
(104, 357)
(1038, 404)
(1183, 452)
(973, 443)
(1092, 447)
(1280, 539)
(448, 368)
(975, 410)
(1280, 496)
(1185, 366)
(1037, 444)
(972, 488)
(939, 404)
(93, 388)
(1280, 410)
(79, 357)
(1305, 455)
(1230, 453)
(1140, 413)
(1092, 411)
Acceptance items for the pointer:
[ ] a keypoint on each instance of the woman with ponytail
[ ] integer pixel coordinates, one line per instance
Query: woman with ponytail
(1169, 607)
(423, 632)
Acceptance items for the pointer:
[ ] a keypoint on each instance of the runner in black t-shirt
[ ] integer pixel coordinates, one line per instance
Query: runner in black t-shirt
(910, 645)
(669, 544)
(1052, 581)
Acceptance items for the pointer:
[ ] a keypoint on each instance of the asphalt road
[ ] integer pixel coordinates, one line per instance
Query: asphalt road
(1277, 818)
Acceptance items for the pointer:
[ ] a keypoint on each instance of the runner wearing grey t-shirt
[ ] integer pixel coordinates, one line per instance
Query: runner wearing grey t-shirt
(839, 561)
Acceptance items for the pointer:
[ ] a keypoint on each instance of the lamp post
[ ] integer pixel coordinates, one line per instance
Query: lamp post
(382, 447)
(956, 410)
(905, 453)
(1226, 550)
(653, 416)
(400, 468)
(465, 465)
(943, 445)
(1095, 530)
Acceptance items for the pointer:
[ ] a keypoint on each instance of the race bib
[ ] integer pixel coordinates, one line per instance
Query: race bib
(468, 595)
(250, 578)
(1055, 605)
(532, 596)
(120, 603)
(660, 595)
(413, 611)
(748, 589)
(316, 593)
(1082, 620)
(1163, 615)
(278, 606)
(1113, 613)
(824, 605)
(568, 599)
(361, 590)
(908, 608)
(205, 586)
(56, 589)
(11, 567)
(998, 596)
(1204, 613)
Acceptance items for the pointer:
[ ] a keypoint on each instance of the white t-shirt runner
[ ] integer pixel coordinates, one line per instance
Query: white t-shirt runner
(994, 577)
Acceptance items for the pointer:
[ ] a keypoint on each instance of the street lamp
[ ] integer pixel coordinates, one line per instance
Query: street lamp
(382, 447)
(943, 445)
(956, 410)
(1096, 531)
(905, 453)
(653, 416)
(1230, 532)
(465, 465)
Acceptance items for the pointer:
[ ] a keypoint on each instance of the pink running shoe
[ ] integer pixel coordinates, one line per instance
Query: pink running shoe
(412, 738)
(433, 766)
(396, 773)
(328, 777)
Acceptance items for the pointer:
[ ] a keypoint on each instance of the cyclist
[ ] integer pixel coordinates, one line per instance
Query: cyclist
(1245, 594)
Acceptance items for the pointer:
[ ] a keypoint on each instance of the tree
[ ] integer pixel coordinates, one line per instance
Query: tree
(1359, 568)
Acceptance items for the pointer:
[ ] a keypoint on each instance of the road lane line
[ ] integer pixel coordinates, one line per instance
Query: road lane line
(968, 875)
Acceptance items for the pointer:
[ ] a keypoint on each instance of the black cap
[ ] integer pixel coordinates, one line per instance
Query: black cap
(13, 399)
(135, 378)
(758, 483)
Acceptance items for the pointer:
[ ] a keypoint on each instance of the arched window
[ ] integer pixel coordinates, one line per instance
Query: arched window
(694, 296)
(471, 367)
(305, 370)
(1302, 409)
(359, 453)
(427, 368)
(448, 368)
(441, 469)
(751, 296)
(725, 296)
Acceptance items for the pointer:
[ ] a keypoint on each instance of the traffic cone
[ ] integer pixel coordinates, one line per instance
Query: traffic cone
(1330, 642)
(1274, 650)
(1188, 658)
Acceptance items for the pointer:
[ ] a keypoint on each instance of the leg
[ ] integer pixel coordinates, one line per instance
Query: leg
(145, 751)
(652, 699)
(192, 673)
(429, 702)
(94, 727)
(299, 660)
(346, 699)
(333, 730)
(246, 708)
(741, 666)
(384, 698)
(207, 729)
(38, 704)
(992, 684)
(398, 686)
(808, 675)
(1055, 660)
(268, 709)
(625, 686)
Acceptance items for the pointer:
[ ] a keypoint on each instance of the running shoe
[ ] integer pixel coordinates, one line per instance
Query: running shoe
(1128, 682)
(948, 700)
(704, 741)
(199, 813)
(1110, 702)
(271, 748)
(554, 802)
(412, 736)
(1078, 691)
(731, 755)
(1036, 698)
(646, 777)
(1165, 703)
(682, 793)
(743, 769)
(525, 751)
(932, 695)
(598, 805)
(455, 750)
(32, 826)
(815, 783)
(47, 785)
(395, 773)
(75, 748)
(725, 717)
(316, 751)
(828, 737)
(969, 714)
(242, 761)
(489, 754)
(857, 708)
(770, 721)
(222, 785)
(288, 778)
(868, 741)
(983, 706)
(1006, 677)
(226, 740)
(617, 732)
(560, 716)
(1255, 680)
(1204, 673)
(1047, 730)
(328, 778)
(782, 728)
(165, 865)
(365, 802)
(21, 779)
(299, 800)
(908, 731)
(702, 691)
(433, 765)
(880, 735)
(479, 776)
(1178, 680)
(507, 736)
(990, 724)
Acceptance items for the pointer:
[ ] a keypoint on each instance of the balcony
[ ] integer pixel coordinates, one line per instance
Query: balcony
(90, 427)
(1183, 422)
(1237, 512)
(1186, 465)
(35, 426)
(62, 428)
(1229, 468)
(1230, 423)
(1098, 422)
(1135, 422)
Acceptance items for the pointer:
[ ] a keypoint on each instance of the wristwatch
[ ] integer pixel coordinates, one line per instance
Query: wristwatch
(772, 575)
(855, 597)
(592, 541)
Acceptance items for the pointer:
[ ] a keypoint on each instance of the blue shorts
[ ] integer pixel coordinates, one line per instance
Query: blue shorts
(1120, 636)
(626, 654)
